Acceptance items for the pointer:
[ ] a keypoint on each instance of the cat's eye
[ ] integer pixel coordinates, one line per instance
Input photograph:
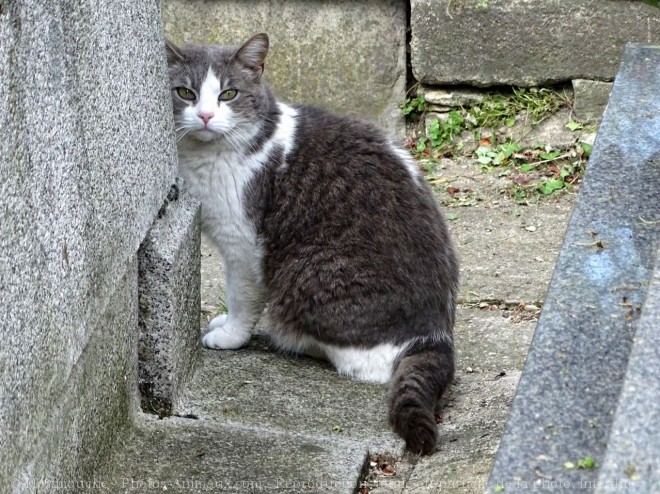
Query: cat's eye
(227, 95)
(185, 93)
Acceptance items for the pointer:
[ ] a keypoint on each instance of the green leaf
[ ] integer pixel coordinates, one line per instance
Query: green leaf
(573, 126)
(510, 122)
(451, 216)
(499, 488)
(509, 148)
(586, 147)
(549, 156)
(551, 185)
(421, 145)
(526, 167)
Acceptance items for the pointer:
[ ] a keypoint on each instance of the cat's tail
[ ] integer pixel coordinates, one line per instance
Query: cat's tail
(421, 375)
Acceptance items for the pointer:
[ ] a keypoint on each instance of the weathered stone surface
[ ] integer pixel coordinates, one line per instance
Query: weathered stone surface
(525, 43)
(551, 132)
(309, 396)
(169, 263)
(452, 97)
(633, 448)
(82, 426)
(347, 56)
(567, 397)
(192, 456)
(86, 160)
(590, 99)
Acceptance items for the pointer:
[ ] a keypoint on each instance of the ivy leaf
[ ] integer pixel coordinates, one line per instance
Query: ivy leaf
(551, 185)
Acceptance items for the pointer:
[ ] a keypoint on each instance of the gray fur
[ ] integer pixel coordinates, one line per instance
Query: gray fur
(356, 252)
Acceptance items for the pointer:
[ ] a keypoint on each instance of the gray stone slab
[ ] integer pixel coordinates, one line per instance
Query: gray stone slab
(492, 341)
(348, 56)
(258, 387)
(524, 43)
(590, 99)
(81, 426)
(86, 160)
(188, 456)
(169, 265)
(567, 396)
(632, 461)
(507, 251)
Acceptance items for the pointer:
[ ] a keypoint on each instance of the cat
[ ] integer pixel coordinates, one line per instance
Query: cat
(327, 222)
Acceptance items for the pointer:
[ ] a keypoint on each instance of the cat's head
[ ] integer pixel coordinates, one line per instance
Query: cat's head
(217, 91)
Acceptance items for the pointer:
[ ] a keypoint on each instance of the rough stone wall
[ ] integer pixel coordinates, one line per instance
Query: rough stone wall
(86, 160)
(348, 56)
(523, 42)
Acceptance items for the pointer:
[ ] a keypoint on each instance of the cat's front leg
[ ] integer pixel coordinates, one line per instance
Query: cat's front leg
(245, 298)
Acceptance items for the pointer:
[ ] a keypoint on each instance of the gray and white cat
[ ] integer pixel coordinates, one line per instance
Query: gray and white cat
(325, 220)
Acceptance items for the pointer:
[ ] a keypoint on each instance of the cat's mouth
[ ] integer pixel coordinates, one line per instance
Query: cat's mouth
(206, 134)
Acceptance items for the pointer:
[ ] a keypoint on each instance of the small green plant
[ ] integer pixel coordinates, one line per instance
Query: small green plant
(416, 105)
(587, 463)
(489, 156)
(441, 133)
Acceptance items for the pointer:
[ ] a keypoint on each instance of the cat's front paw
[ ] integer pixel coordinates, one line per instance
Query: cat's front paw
(226, 337)
(218, 321)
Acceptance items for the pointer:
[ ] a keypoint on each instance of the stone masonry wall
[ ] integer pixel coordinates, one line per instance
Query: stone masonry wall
(86, 160)
(523, 42)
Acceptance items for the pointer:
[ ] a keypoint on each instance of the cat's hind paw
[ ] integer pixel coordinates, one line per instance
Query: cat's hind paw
(226, 337)
(218, 321)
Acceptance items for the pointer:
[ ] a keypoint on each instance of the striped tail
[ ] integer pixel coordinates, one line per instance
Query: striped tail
(420, 377)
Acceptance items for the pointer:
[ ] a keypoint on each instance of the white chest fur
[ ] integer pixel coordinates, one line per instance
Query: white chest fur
(218, 174)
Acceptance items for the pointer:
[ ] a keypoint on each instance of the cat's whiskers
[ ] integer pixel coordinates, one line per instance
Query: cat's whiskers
(242, 141)
(266, 119)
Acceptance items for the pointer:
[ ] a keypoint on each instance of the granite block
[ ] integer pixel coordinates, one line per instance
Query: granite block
(571, 383)
(83, 425)
(169, 264)
(87, 157)
(632, 461)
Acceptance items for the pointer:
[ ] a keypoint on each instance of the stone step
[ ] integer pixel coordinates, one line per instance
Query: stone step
(633, 452)
(258, 387)
(574, 374)
(190, 456)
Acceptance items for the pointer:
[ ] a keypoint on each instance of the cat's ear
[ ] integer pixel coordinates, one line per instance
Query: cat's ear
(252, 55)
(173, 52)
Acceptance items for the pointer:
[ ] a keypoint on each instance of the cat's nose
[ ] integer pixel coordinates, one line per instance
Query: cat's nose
(206, 117)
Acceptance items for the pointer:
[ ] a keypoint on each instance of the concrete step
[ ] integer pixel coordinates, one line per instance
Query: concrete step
(191, 456)
(257, 387)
